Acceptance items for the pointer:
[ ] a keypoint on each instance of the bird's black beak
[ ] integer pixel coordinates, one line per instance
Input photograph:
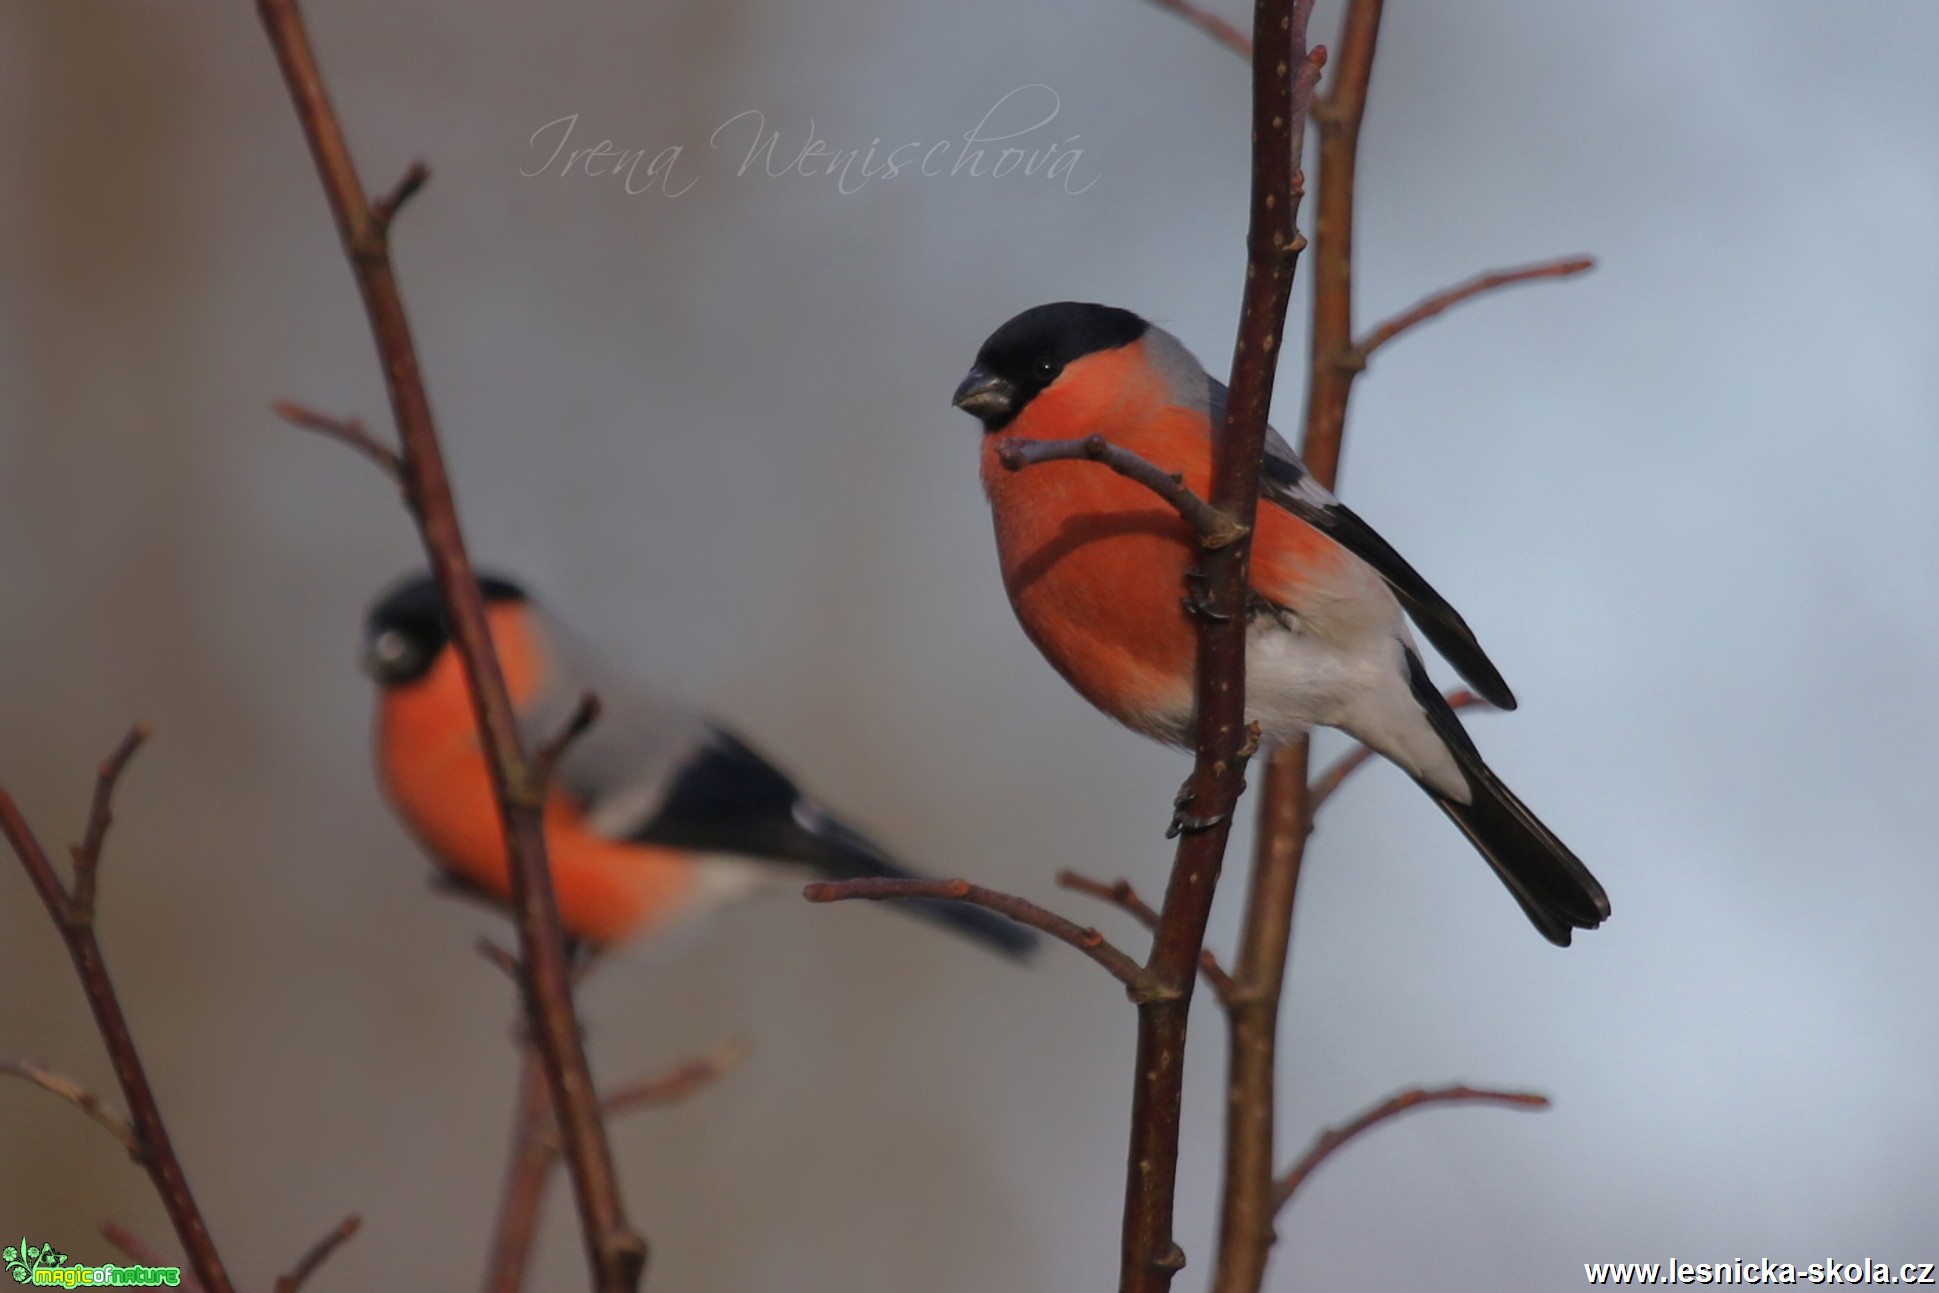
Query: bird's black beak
(990, 399)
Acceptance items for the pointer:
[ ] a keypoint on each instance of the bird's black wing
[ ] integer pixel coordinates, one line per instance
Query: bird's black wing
(1285, 483)
(726, 798)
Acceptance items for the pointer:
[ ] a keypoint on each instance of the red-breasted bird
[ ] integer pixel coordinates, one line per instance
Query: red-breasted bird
(1095, 564)
(655, 813)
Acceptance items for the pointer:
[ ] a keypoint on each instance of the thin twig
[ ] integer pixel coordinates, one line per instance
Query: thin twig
(1347, 764)
(1392, 1107)
(535, 1148)
(1446, 299)
(78, 1096)
(1082, 937)
(318, 1253)
(153, 1149)
(678, 1083)
(87, 854)
(144, 1253)
(385, 209)
(1121, 895)
(1246, 1233)
(1216, 529)
(345, 431)
(1211, 24)
(545, 761)
(616, 1254)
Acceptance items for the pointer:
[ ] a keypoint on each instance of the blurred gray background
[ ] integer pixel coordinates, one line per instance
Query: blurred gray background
(1685, 502)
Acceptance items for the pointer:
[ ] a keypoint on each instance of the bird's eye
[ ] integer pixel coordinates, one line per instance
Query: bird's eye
(1047, 369)
(391, 647)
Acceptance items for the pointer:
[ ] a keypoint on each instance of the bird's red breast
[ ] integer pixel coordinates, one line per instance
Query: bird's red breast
(433, 767)
(1095, 564)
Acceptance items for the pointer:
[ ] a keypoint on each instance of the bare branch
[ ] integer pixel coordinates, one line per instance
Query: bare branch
(152, 1147)
(1215, 528)
(1446, 299)
(385, 209)
(535, 1148)
(546, 761)
(1121, 895)
(1347, 764)
(677, 1083)
(78, 1096)
(318, 1253)
(1392, 1107)
(1211, 24)
(1082, 937)
(346, 431)
(1284, 73)
(1246, 1233)
(87, 854)
(615, 1252)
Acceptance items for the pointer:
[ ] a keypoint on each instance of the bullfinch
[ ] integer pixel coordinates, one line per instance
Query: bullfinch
(654, 815)
(1094, 565)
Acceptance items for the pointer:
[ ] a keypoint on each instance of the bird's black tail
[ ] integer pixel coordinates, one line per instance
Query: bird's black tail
(847, 854)
(1547, 879)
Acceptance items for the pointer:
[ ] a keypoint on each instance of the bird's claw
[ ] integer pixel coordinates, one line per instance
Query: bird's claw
(1197, 604)
(1184, 823)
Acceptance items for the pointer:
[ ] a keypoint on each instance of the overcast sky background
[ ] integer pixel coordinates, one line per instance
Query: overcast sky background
(1685, 502)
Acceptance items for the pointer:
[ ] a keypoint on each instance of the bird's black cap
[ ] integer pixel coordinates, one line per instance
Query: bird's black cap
(1032, 350)
(407, 627)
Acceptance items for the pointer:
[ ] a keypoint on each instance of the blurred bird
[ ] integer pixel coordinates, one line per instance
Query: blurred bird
(655, 814)
(1094, 565)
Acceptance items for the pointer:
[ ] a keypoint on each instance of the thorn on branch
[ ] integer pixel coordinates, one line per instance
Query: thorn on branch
(1086, 940)
(1392, 1107)
(345, 431)
(1215, 528)
(1440, 302)
(78, 1096)
(318, 1253)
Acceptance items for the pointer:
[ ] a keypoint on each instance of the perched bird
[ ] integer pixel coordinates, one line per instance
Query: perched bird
(1094, 565)
(655, 814)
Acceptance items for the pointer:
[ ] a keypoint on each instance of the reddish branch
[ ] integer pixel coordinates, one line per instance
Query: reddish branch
(1216, 529)
(1283, 74)
(1246, 1233)
(1082, 937)
(1121, 895)
(1392, 1107)
(1447, 298)
(1211, 24)
(617, 1255)
(535, 1149)
(73, 914)
(319, 1253)
(347, 431)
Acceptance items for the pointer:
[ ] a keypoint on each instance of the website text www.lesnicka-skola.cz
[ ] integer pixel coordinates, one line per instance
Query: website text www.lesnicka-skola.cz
(1867, 1271)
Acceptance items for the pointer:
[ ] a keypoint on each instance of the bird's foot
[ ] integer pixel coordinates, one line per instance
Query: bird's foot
(1184, 823)
(1197, 604)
